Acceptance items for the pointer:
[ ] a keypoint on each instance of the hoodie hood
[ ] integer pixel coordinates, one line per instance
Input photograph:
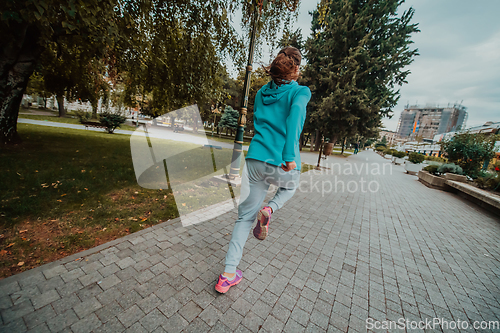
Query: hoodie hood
(271, 92)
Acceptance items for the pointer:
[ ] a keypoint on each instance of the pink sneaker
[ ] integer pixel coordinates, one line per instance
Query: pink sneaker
(263, 219)
(224, 284)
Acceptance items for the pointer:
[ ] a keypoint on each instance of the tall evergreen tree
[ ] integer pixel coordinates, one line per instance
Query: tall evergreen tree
(356, 58)
(229, 119)
(291, 39)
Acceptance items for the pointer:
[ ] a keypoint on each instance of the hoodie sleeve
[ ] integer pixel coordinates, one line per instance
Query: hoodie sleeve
(295, 123)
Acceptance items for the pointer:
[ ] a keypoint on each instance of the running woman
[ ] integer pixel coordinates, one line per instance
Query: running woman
(273, 156)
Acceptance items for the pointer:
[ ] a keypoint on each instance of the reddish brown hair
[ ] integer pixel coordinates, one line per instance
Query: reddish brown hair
(282, 69)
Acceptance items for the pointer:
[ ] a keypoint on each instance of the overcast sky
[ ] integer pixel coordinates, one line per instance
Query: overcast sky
(459, 46)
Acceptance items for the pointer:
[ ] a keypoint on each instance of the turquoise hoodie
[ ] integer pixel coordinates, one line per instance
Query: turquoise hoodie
(279, 115)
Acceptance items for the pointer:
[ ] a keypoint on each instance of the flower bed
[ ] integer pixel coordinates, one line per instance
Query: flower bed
(431, 180)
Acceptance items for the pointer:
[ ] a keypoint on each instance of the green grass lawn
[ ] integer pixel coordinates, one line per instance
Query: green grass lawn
(67, 120)
(336, 150)
(208, 133)
(66, 190)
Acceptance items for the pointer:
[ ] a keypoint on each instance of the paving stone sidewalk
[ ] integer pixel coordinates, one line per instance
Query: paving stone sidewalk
(331, 261)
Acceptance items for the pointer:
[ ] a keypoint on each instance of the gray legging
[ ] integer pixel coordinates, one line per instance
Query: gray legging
(256, 178)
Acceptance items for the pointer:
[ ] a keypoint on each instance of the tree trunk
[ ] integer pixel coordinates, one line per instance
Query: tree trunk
(94, 110)
(306, 139)
(343, 145)
(301, 141)
(17, 62)
(313, 140)
(60, 105)
(333, 141)
(195, 122)
(318, 140)
(320, 151)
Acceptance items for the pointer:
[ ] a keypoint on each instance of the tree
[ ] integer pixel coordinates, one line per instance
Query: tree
(291, 39)
(37, 87)
(28, 28)
(356, 56)
(168, 52)
(72, 74)
(229, 119)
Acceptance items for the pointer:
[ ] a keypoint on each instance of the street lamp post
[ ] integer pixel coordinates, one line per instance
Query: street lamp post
(214, 111)
(238, 141)
(234, 172)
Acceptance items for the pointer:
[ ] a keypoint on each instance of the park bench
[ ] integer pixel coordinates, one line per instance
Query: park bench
(93, 124)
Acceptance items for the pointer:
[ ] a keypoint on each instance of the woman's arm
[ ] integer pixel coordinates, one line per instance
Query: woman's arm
(295, 123)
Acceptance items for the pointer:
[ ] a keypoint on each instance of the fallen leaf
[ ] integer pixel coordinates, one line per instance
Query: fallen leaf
(22, 231)
(86, 189)
(62, 195)
(11, 244)
(59, 200)
(184, 204)
(117, 219)
(24, 238)
(3, 252)
(20, 263)
(83, 171)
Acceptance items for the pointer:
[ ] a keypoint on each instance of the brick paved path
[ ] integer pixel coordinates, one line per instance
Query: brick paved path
(331, 261)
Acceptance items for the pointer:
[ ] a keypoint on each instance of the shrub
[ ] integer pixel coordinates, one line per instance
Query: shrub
(111, 121)
(451, 168)
(432, 169)
(470, 151)
(380, 148)
(390, 151)
(495, 167)
(435, 158)
(380, 144)
(488, 181)
(399, 154)
(82, 115)
(416, 158)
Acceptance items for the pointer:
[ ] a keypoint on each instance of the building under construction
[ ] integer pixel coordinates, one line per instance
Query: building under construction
(426, 122)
